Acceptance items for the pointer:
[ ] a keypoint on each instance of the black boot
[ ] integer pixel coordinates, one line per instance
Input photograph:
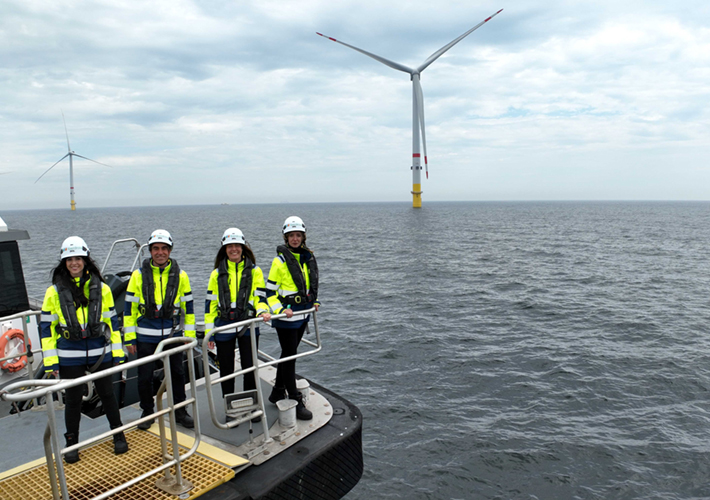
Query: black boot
(71, 456)
(302, 413)
(144, 426)
(120, 446)
(183, 418)
(277, 394)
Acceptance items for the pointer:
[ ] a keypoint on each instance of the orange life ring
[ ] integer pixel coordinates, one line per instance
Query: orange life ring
(12, 364)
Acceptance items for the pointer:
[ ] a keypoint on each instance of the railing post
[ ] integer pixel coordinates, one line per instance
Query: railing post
(174, 485)
(193, 388)
(257, 380)
(49, 456)
(58, 458)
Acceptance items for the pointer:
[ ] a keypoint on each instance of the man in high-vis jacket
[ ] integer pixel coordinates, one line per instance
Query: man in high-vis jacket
(158, 295)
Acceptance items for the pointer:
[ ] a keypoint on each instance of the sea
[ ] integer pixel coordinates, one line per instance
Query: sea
(497, 350)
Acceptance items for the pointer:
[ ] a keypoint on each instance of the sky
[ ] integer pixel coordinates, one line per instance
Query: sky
(208, 102)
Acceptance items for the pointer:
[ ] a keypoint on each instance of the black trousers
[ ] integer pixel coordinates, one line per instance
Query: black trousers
(145, 375)
(225, 357)
(289, 338)
(104, 388)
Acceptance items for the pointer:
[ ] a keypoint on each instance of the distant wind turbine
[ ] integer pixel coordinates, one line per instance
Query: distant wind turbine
(417, 105)
(70, 154)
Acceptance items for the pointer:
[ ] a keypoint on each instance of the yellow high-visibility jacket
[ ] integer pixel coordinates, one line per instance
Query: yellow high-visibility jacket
(57, 350)
(280, 284)
(137, 327)
(256, 297)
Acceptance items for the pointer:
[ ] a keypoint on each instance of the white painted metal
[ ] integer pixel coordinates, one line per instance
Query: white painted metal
(70, 154)
(417, 95)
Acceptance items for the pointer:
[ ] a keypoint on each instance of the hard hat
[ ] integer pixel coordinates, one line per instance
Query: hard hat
(294, 223)
(74, 247)
(233, 235)
(160, 236)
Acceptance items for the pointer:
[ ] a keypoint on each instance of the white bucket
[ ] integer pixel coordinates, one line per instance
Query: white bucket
(304, 388)
(287, 412)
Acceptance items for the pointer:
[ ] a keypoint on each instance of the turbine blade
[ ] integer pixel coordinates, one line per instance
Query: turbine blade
(66, 132)
(420, 113)
(386, 62)
(50, 168)
(446, 47)
(109, 166)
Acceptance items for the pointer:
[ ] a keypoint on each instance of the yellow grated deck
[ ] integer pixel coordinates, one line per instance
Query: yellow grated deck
(99, 470)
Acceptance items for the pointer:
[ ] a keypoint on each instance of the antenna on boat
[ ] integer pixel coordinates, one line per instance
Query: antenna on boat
(70, 154)
(417, 104)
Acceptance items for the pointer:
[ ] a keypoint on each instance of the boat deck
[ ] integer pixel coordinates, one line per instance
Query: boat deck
(222, 452)
(99, 471)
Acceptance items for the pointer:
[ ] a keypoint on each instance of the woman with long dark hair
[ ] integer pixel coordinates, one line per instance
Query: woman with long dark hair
(234, 293)
(80, 334)
(292, 286)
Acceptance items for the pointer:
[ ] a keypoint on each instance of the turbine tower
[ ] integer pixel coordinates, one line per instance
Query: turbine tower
(417, 105)
(70, 154)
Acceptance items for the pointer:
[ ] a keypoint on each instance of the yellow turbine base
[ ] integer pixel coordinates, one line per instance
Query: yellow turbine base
(417, 196)
(73, 205)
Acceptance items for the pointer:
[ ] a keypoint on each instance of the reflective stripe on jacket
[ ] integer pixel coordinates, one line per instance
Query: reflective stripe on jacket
(281, 284)
(256, 297)
(56, 350)
(137, 327)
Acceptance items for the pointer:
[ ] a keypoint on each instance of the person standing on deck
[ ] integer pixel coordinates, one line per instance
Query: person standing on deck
(158, 295)
(79, 332)
(234, 293)
(292, 286)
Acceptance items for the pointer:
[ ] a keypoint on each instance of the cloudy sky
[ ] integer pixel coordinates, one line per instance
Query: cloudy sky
(226, 101)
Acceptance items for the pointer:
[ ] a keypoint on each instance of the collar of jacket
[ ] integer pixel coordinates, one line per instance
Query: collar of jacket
(160, 270)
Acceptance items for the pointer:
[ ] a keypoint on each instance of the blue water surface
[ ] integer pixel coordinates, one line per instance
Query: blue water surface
(497, 350)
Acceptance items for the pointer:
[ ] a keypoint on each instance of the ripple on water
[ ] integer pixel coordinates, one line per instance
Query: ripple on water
(496, 350)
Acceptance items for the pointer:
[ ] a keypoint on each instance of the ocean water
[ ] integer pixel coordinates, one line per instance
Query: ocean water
(496, 350)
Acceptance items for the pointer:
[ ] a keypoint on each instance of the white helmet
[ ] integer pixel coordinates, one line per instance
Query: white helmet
(160, 236)
(74, 247)
(233, 235)
(294, 223)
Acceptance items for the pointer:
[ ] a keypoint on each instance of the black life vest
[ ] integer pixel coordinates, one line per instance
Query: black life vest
(244, 309)
(150, 309)
(303, 297)
(95, 327)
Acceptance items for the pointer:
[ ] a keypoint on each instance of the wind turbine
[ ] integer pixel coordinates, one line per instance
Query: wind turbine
(70, 154)
(417, 104)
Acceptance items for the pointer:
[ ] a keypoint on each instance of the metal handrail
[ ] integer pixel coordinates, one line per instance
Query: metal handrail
(258, 365)
(46, 388)
(138, 253)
